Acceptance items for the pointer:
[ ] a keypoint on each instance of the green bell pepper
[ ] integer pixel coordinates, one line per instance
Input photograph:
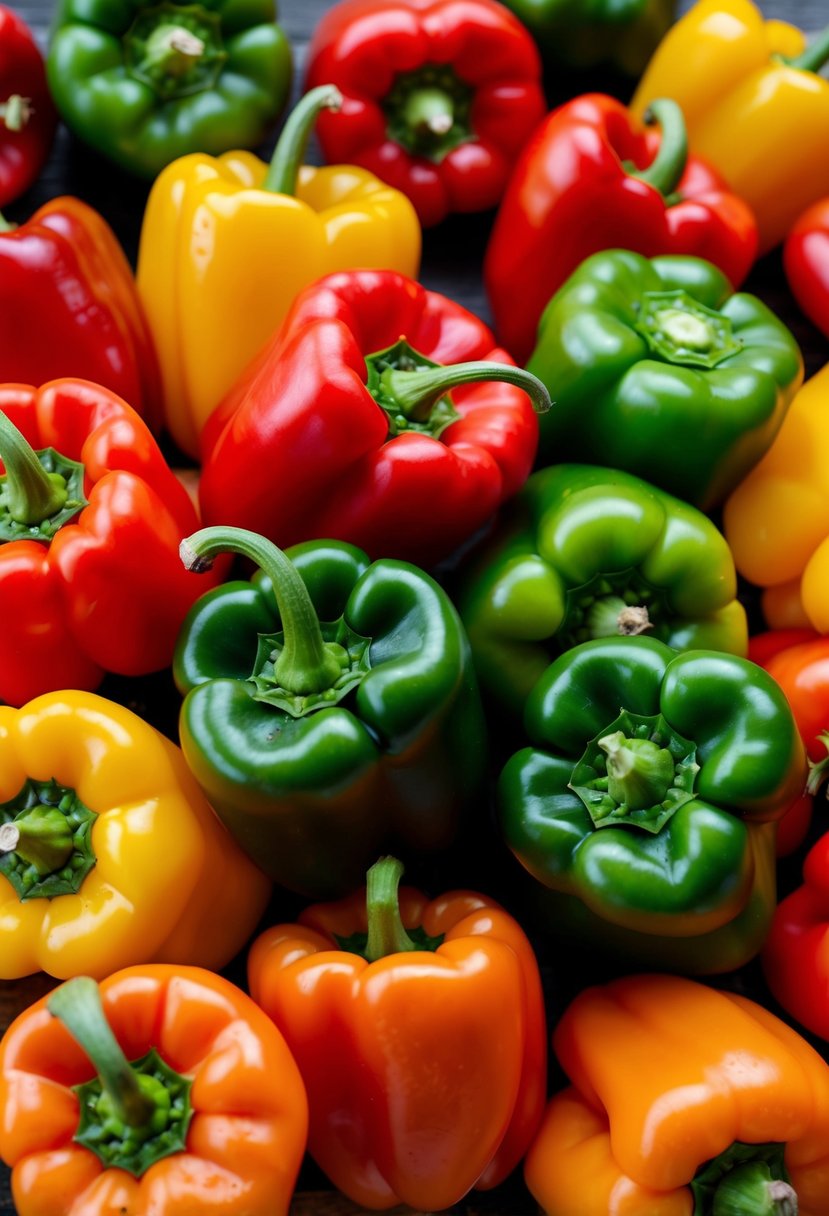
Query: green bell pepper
(658, 369)
(330, 709)
(585, 552)
(144, 83)
(647, 799)
(583, 34)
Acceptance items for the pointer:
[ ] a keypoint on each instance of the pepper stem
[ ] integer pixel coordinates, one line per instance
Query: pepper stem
(42, 837)
(819, 769)
(307, 664)
(15, 112)
(172, 49)
(290, 148)
(750, 1190)
(667, 167)
(415, 393)
(814, 56)
(610, 617)
(6, 225)
(428, 113)
(31, 494)
(77, 1004)
(639, 772)
(386, 933)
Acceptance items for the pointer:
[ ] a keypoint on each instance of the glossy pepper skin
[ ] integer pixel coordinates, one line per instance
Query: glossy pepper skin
(755, 105)
(315, 442)
(109, 853)
(794, 956)
(146, 83)
(70, 307)
(408, 1104)
(200, 1042)
(27, 112)
(677, 1092)
(806, 263)
(595, 177)
(641, 808)
(96, 584)
(314, 772)
(225, 248)
(440, 96)
(777, 520)
(658, 369)
(581, 553)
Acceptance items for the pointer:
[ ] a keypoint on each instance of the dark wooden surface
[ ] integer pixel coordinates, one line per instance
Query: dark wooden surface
(451, 264)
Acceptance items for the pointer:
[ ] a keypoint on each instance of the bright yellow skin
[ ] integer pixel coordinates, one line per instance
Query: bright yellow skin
(763, 125)
(169, 884)
(221, 260)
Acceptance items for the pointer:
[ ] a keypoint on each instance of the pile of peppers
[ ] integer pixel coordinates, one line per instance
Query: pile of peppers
(414, 717)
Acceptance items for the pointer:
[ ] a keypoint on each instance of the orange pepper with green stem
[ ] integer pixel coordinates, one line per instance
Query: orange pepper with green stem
(684, 1101)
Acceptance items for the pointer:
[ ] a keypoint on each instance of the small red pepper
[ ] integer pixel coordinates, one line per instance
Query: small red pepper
(70, 307)
(593, 177)
(806, 263)
(103, 590)
(27, 113)
(440, 96)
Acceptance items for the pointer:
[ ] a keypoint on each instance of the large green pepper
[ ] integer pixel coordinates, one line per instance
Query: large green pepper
(144, 83)
(586, 552)
(321, 744)
(647, 799)
(658, 369)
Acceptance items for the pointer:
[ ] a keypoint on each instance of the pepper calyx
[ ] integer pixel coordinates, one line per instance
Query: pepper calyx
(351, 650)
(40, 491)
(428, 112)
(176, 49)
(745, 1180)
(45, 841)
(680, 330)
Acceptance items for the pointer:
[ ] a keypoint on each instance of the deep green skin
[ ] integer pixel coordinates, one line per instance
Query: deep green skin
(567, 525)
(583, 33)
(314, 800)
(693, 431)
(123, 118)
(697, 895)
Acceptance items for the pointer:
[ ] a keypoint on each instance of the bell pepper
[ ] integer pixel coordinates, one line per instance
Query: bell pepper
(70, 307)
(588, 552)
(109, 853)
(684, 1101)
(806, 263)
(329, 708)
(594, 177)
(344, 428)
(756, 106)
(91, 519)
(660, 370)
(419, 1031)
(27, 112)
(439, 96)
(227, 244)
(645, 801)
(164, 1091)
(148, 82)
(777, 520)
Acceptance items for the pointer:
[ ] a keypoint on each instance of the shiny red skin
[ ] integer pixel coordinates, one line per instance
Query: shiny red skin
(806, 263)
(570, 196)
(796, 954)
(362, 46)
(23, 153)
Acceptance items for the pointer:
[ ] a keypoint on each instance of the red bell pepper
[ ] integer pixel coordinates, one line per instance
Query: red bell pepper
(594, 177)
(796, 955)
(342, 428)
(440, 96)
(70, 307)
(806, 263)
(27, 113)
(103, 590)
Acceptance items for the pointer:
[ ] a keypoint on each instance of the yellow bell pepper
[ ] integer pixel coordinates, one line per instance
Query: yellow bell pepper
(228, 242)
(777, 520)
(109, 853)
(754, 105)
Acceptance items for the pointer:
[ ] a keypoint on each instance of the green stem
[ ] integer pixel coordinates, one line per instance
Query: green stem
(172, 49)
(639, 772)
(42, 837)
(290, 148)
(667, 167)
(428, 113)
(307, 663)
(32, 494)
(750, 1190)
(610, 617)
(6, 225)
(386, 933)
(415, 393)
(15, 112)
(814, 56)
(77, 1004)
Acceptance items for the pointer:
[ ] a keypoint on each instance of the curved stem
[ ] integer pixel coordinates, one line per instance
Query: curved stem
(415, 393)
(386, 932)
(667, 167)
(32, 494)
(290, 148)
(814, 56)
(306, 664)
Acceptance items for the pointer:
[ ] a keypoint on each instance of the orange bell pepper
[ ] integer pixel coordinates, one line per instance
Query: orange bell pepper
(679, 1092)
(424, 1057)
(197, 1106)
